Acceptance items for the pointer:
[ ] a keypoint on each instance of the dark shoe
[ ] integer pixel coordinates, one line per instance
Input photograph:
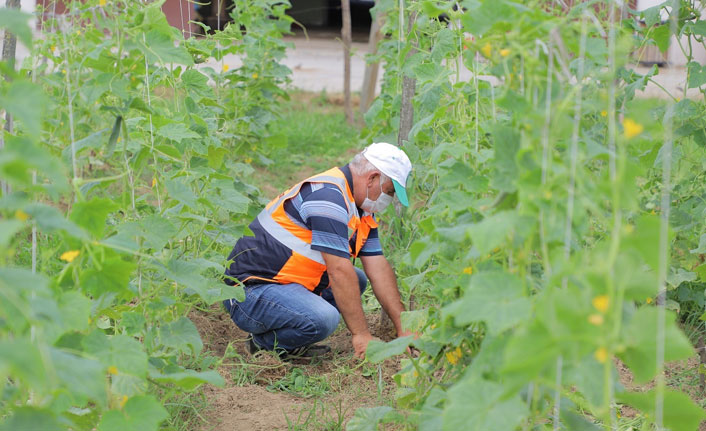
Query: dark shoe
(311, 351)
(305, 352)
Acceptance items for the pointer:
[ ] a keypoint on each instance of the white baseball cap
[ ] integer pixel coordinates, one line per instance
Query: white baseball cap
(394, 163)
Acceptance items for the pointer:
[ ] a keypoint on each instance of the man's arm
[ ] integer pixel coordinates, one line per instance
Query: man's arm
(344, 283)
(382, 278)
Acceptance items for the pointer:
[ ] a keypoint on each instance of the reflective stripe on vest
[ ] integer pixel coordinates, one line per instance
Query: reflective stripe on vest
(306, 266)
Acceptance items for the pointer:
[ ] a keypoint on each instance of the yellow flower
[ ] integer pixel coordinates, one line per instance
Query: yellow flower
(69, 256)
(21, 215)
(468, 270)
(112, 370)
(453, 356)
(101, 2)
(248, 160)
(629, 228)
(123, 400)
(601, 303)
(631, 128)
(154, 181)
(225, 68)
(604, 113)
(486, 50)
(595, 319)
(504, 52)
(648, 300)
(547, 194)
(601, 355)
(63, 71)
(255, 75)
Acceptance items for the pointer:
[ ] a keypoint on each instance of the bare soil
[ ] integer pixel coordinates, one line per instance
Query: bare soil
(246, 402)
(679, 375)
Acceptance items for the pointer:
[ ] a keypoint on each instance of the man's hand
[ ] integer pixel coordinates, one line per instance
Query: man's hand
(360, 344)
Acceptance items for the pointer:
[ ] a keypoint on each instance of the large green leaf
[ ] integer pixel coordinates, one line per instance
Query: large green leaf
(120, 351)
(26, 102)
(368, 418)
(493, 231)
(495, 298)
(182, 192)
(640, 353)
(17, 23)
(196, 83)
(50, 220)
(189, 379)
(378, 351)
(481, 405)
(680, 412)
(506, 145)
(697, 74)
(177, 132)
(21, 359)
(31, 419)
(141, 413)
(444, 44)
(8, 229)
(91, 215)
(84, 377)
(113, 276)
(160, 47)
(181, 335)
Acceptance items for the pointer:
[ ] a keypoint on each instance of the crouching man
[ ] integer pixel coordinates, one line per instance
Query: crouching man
(297, 269)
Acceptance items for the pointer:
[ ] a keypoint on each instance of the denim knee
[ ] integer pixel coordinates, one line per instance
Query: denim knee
(325, 322)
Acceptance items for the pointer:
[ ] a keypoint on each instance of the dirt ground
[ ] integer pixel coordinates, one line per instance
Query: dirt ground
(679, 375)
(246, 402)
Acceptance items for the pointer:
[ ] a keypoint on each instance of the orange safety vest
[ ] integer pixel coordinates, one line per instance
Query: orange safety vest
(306, 266)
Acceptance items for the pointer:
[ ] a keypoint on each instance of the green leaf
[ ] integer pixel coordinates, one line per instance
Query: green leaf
(496, 298)
(178, 190)
(368, 418)
(680, 412)
(17, 23)
(378, 351)
(661, 36)
(49, 219)
(640, 353)
(141, 413)
(75, 310)
(20, 358)
(31, 419)
(481, 405)
(196, 83)
(492, 231)
(177, 132)
(506, 145)
(234, 201)
(697, 74)
(160, 47)
(444, 45)
(182, 336)
(8, 229)
(85, 377)
(91, 215)
(652, 15)
(114, 276)
(189, 379)
(26, 102)
(477, 20)
(156, 231)
(120, 351)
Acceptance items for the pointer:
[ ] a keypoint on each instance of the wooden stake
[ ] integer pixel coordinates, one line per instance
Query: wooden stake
(9, 47)
(347, 40)
(409, 86)
(367, 93)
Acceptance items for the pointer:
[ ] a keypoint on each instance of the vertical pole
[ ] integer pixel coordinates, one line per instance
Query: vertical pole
(409, 86)
(347, 40)
(367, 93)
(9, 48)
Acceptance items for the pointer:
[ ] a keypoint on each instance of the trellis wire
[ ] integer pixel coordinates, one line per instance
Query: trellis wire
(663, 237)
(545, 154)
(67, 72)
(149, 104)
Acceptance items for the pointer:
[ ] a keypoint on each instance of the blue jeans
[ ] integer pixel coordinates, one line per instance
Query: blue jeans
(287, 316)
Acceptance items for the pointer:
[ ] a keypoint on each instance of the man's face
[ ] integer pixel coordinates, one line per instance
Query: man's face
(374, 186)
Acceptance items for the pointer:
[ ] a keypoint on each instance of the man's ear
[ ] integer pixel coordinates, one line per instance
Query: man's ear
(372, 177)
